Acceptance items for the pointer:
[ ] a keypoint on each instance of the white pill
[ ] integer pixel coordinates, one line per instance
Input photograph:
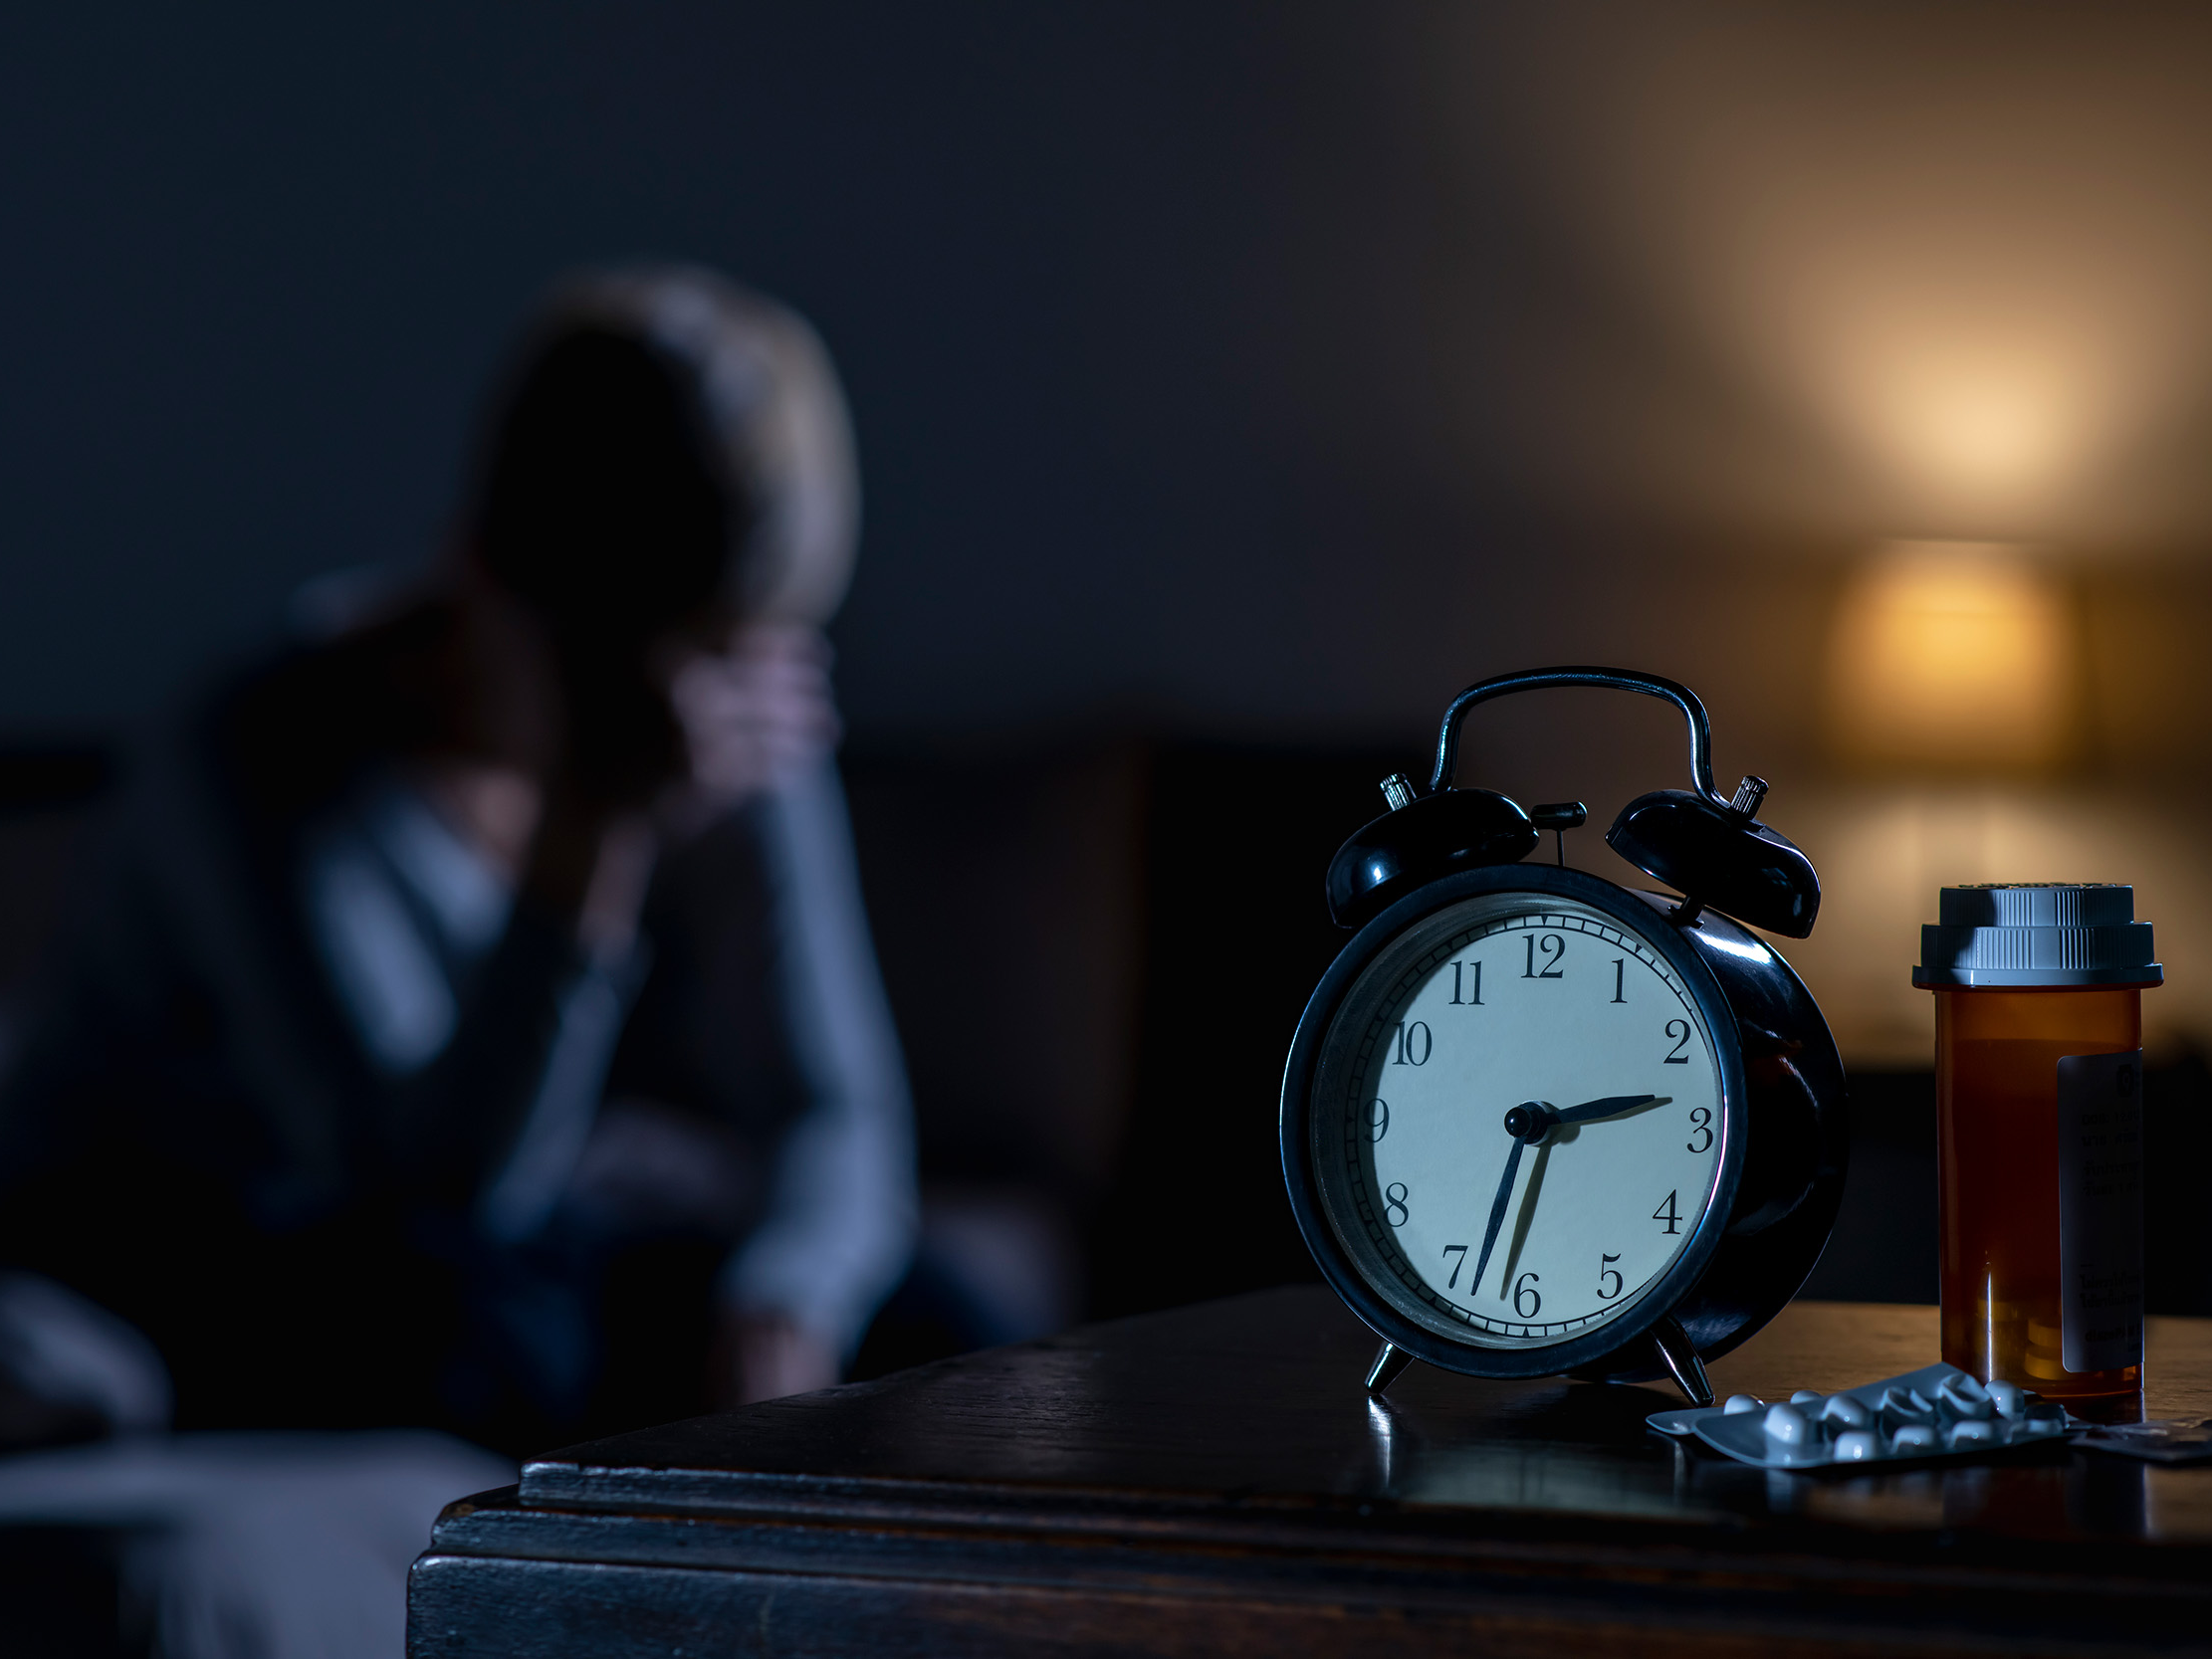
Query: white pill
(1843, 1412)
(2009, 1398)
(1905, 1405)
(1787, 1426)
(1976, 1431)
(1962, 1396)
(1856, 1445)
(1741, 1403)
(1806, 1396)
(1914, 1437)
(2037, 1428)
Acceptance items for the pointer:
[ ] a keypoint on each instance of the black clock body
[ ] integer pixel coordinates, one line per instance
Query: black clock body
(1782, 1114)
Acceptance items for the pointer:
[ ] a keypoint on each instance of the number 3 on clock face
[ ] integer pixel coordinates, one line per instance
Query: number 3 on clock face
(1503, 1000)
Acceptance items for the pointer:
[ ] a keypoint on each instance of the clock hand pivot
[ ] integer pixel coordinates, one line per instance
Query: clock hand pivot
(1531, 1120)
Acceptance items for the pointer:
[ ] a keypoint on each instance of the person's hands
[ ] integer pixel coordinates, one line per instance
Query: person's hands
(764, 1357)
(581, 749)
(758, 713)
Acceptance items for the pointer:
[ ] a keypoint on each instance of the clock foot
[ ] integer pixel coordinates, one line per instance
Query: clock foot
(1390, 1364)
(1680, 1360)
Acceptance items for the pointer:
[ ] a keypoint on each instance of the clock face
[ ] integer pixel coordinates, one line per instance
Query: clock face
(1537, 1001)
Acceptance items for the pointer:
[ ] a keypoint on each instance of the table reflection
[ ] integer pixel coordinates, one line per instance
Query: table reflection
(1431, 1457)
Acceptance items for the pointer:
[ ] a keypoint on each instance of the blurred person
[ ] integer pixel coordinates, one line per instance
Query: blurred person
(474, 1022)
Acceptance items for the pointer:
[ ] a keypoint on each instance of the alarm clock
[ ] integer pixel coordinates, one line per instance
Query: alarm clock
(1535, 1123)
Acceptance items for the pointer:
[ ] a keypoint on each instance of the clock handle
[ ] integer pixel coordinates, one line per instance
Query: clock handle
(1605, 678)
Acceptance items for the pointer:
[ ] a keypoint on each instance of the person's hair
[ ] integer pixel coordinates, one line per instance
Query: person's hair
(667, 437)
(606, 499)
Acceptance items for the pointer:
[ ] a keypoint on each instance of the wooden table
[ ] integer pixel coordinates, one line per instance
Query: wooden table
(1212, 1482)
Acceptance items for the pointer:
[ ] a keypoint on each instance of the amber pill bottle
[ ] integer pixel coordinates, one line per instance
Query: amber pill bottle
(2039, 1126)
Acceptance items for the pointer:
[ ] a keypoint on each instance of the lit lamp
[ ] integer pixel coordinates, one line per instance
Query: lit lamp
(1952, 655)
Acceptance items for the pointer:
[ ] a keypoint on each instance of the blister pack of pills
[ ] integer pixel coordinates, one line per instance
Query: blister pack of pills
(1939, 1411)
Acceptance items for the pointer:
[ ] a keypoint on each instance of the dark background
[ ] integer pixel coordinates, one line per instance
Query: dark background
(1234, 381)
(1258, 371)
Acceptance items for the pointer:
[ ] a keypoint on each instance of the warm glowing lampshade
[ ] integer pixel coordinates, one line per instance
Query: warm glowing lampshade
(1953, 653)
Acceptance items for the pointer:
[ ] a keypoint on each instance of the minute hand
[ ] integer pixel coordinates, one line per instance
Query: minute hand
(1611, 1107)
(1497, 1212)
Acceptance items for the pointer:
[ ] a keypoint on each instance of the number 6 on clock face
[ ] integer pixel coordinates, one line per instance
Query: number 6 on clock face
(1580, 1016)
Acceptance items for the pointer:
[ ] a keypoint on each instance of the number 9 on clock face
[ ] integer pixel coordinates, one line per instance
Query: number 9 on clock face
(1535, 1233)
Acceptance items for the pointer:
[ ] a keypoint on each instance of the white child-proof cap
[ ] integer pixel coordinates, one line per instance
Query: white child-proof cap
(2028, 933)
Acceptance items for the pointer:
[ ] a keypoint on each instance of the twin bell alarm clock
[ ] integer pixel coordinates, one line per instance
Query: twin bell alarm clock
(1537, 1124)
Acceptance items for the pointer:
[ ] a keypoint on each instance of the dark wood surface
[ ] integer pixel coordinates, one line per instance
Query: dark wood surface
(1213, 1481)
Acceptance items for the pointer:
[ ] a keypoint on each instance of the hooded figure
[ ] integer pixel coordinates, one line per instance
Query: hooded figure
(472, 1021)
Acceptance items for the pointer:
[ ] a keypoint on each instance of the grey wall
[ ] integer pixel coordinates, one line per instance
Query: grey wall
(1247, 369)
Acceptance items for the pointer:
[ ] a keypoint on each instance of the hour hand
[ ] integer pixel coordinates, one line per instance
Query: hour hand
(1611, 1107)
